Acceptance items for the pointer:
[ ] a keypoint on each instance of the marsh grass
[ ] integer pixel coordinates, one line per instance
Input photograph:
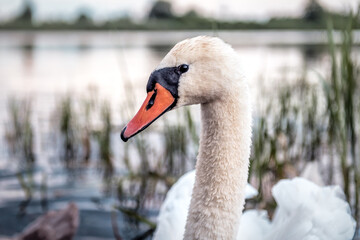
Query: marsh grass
(68, 128)
(19, 136)
(342, 95)
(104, 136)
(175, 143)
(19, 131)
(104, 141)
(89, 105)
(312, 123)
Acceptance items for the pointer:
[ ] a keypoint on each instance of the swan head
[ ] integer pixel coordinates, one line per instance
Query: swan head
(195, 71)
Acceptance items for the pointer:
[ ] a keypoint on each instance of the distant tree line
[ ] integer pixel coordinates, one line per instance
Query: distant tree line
(162, 17)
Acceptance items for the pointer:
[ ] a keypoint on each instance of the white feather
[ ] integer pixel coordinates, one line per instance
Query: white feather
(305, 211)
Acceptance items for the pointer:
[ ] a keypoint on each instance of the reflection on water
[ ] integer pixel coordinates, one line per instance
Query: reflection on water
(83, 87)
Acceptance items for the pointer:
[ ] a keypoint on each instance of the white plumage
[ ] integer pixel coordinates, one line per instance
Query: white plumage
(309, 212)
(305, 211)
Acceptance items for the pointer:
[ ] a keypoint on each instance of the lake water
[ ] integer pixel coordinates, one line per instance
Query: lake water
(45, 66)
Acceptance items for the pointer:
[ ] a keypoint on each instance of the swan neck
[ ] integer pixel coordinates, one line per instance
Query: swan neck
(221, 168)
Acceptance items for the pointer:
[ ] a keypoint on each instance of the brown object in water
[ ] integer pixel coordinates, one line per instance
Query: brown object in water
(54, 225)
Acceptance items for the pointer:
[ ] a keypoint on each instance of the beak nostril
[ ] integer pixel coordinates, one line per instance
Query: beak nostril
(152, 100)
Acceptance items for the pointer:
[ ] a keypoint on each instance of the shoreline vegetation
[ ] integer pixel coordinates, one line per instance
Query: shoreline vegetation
(161, 17)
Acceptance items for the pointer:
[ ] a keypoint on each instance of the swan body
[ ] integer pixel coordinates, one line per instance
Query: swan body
(206, 71)
(305, 211)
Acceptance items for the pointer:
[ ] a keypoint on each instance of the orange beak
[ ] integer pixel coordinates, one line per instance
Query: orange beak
(157, 102)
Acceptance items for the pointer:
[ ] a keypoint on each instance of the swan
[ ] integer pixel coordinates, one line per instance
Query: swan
(205, 70)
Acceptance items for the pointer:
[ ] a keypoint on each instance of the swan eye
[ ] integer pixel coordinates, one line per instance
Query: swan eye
(183, 68)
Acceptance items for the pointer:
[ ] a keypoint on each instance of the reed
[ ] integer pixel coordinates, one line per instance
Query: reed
(342, 98)
(104, 137)
(68, 128)
(19, 131)
(89, 104)
(175, 145)
(104, 141)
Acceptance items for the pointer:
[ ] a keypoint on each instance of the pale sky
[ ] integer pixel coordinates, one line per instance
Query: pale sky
(137, 9)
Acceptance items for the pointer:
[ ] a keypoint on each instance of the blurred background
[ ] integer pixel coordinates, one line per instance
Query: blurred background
(72, 73)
